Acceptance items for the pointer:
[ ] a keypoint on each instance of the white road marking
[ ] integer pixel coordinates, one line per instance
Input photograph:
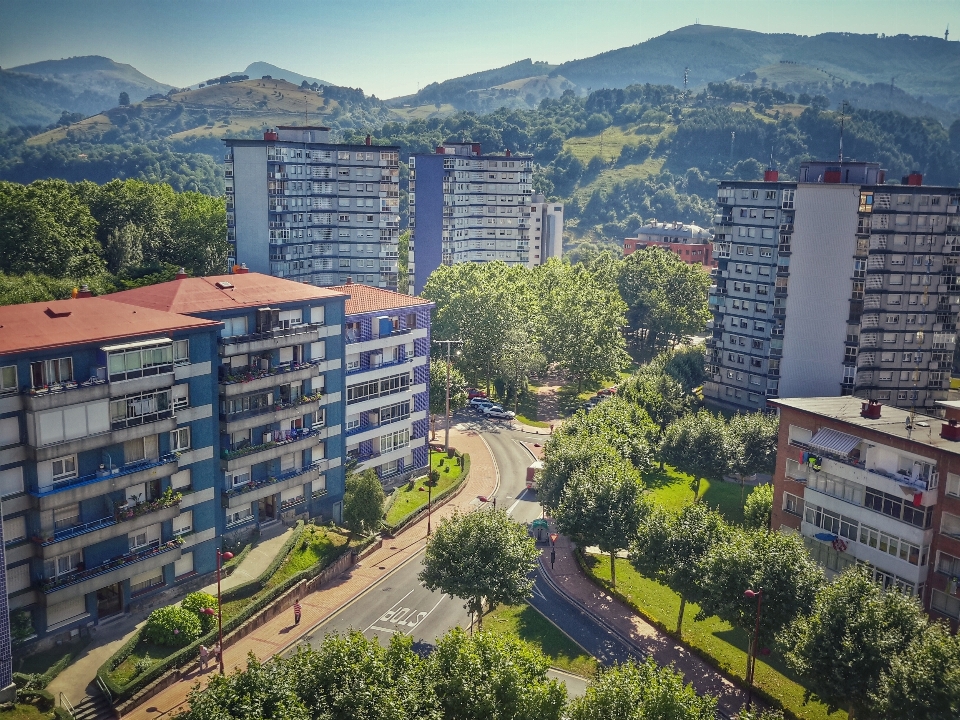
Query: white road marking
(538, 592)
(380, 629)
(384, 616)
(518, 500)
(425, 615)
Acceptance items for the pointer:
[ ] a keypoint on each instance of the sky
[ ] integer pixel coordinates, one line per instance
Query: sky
(394, 47)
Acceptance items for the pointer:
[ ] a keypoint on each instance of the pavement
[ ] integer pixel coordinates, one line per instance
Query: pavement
(279, 634)
(76, 680)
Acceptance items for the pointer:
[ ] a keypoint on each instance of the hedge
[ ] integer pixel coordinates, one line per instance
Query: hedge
(230, 565)
(416, 514)
(188, 653)
(41, 698)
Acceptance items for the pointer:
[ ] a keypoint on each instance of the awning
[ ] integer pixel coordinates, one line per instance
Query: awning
(834, 441)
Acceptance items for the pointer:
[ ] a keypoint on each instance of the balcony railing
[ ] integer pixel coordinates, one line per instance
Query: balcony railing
(921, 483)
(352, 337)
(128, 469)
(62, 581)
(251, 375)
(286, 438)
(373, 426)
(251, 486)
(65, 386)
(301, 329)
(271, 408)
(119, 516)
(393, 363)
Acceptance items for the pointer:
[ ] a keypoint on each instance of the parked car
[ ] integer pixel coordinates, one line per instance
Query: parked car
(500, 414)
(607, 392)
(475, 393)
(480, 403)
(486, 410)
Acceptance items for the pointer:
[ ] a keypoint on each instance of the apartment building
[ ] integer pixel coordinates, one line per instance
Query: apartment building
(469, 207)
(278, 380)
(691, 243)
(303, 208)
(387, 358)
(834, 285)
(874, 485)
(108, 469)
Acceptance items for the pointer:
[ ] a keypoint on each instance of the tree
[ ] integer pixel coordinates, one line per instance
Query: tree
(697, 444)
(601, 505)
(662, 397)
(670, 548)
(569, 450)
(923, 682)
(363, 501)
(776, 562)
(641, 691)
(124, 99)
(758, 509)
(846, 643)
(124, 248)
(483, 558)
(753, 444)
(519, 358)
(403, 263)
(493, 676)
(438, 389)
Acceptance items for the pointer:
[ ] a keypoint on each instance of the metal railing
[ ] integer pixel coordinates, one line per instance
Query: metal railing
(127, 469)
(67, 705)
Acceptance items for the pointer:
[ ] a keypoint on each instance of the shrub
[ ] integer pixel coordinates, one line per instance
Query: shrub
(195, 602)
(21, 626)
(172, 626)
(143, 664)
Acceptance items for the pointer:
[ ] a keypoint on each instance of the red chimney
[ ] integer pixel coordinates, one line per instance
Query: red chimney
(950, 430)
(508, 153)
(181, 274)
(270, 135)
(771, 175)
(440, 150)
(476, 148)
(915, 179)
(241, 269)
(871, 410)
(368, 140)
(84, 292)
(831, 175)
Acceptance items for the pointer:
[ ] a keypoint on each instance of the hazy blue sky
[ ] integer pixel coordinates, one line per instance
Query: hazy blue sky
(389, 47)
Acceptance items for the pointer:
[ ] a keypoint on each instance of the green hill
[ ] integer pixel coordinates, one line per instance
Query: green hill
(258, 69)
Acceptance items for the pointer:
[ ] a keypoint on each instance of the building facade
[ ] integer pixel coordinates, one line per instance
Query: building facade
(690, 243)
(835, 285)
(387, 365)
(303, 208)
(469, 207)
(873, 485)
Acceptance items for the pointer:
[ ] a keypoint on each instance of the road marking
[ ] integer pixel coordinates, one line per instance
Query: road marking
(537, 591)
(518, 500)
(380, 629)
(391, 608)
(425, 615)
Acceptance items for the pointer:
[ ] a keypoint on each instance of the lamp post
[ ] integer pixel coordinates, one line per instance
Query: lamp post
(219, 611)
(429, 497)
(446, 434)
(752, 655)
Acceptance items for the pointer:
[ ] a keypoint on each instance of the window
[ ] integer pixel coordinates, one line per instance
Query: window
(64, 468)
(181, 396)
(63, 565)
(183, 523)
(953, 484)
(946, 564)
(8, 379)
(139, 409)
(180, 439)
(14, 530)
(239, 516)
(946, 604)
(11, 481)
(181, 352)
(50, 372)
(128, 363)
(394, 441)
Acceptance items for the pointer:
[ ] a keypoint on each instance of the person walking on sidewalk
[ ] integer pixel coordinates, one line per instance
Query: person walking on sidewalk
(204, 657)
(297, 610)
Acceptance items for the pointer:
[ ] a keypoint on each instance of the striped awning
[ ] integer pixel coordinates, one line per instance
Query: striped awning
(834, 441)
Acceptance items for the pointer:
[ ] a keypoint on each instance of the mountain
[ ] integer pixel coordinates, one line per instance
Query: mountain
(257, 70)
(925, 67)
(36, 94)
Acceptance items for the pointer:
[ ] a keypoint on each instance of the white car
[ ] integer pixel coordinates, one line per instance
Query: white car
(499, 413)
(480, 403)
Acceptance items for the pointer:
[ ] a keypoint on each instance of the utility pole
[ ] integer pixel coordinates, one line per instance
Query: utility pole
(446, 435)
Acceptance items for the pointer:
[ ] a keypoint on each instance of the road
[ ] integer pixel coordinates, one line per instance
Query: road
(399, 603)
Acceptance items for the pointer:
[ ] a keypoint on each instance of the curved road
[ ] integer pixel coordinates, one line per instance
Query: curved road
(399, 603)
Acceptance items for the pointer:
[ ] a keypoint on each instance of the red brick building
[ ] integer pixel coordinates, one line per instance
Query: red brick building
(692, 244)
(870, 484)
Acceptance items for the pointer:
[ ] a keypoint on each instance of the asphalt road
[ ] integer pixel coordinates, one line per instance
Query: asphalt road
(399, 603)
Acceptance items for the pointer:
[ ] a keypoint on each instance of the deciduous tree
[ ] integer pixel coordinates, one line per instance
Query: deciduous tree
(753, 444)
(438, 388)
(697, 444)
(758, 509)
(363, 501)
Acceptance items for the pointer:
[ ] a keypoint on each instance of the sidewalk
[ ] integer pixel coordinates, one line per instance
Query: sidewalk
(566, 575)
(279, 633)
(109, 638)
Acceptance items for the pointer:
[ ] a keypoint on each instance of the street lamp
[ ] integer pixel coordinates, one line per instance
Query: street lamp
(752, 655)
(429, 496)
(219, 611)
(448, 343)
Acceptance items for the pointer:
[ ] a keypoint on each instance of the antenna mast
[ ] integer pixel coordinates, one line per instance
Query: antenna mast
(843, 107)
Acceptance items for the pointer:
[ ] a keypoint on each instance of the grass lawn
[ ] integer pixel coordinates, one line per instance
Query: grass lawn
(526, 623)
(671, 490)
(726, 645)
(127, 670)
(316, 544)
(527, 411)
(406, 500)
(24, 712)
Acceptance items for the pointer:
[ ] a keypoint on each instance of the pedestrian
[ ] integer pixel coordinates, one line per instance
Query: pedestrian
(204, 657)
(297, 610)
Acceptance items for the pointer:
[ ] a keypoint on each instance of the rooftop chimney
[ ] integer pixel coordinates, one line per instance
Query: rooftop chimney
(771, 175)
(368, 141)
(240, 269)
(84, 292)
(441, 150)
(914, 178)
(349, 280)
(950, 430)
(270, 135)
(871, 410)
(508, 153)
(181, 274)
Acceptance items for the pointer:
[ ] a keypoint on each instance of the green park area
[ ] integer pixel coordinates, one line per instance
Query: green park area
(414, 495)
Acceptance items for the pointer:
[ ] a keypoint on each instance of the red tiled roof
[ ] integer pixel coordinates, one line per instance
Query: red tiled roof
(58, 323)
(205, 294)
(367, 299)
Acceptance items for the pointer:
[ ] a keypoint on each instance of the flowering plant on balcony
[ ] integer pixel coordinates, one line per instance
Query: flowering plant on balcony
(168, 499)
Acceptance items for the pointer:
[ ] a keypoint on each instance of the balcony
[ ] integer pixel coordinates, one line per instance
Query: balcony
(873, 477)
(270, 339)
(248, 382)
(292, 441)
(100, 440)
(384, 366)
(274, 412)
(69, 393)
(252, 492)
(124, 521)
(112, 571)
(85, 487)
